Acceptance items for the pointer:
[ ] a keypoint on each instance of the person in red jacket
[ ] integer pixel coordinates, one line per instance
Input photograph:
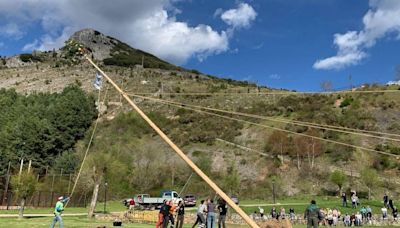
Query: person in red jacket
(131, 205)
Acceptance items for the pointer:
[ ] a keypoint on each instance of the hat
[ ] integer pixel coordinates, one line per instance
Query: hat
(60, 198)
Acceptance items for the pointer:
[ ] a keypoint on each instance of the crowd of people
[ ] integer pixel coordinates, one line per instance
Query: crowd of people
(209, 214)
(206, 214)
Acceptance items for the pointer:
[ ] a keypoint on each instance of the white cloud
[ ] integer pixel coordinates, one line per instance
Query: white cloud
(148, 25)
(240, 17)
(11, 30)
(381, 20)
(274, 76)
(31, 46)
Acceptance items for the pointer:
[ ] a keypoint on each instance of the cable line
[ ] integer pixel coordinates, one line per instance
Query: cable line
(274, 119)
(269, 127)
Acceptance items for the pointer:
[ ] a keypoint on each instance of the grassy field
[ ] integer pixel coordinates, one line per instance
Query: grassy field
(299, 204)
(82, 222)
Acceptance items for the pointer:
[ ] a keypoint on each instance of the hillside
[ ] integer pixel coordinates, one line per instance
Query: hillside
(146, 164)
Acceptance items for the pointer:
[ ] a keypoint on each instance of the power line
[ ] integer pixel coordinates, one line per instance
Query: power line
(184, 157)
(276, 120)
(276, 93)
(270, 127)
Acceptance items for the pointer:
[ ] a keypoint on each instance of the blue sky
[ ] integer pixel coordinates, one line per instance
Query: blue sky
(278, 43)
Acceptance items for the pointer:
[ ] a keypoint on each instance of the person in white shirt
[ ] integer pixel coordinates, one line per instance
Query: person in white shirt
(384, 212)
(261, 210)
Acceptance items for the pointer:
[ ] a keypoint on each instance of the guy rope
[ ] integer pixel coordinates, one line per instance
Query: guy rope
(192, 165)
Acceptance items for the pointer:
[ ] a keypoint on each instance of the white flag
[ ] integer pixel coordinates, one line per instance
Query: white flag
(98, 81)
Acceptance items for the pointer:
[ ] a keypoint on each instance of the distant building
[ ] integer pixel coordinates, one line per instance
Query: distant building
(393, 83)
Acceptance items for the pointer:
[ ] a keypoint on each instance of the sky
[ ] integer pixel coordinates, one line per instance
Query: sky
(290, 44)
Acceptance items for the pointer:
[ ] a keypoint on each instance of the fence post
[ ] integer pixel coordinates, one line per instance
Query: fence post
(7, 182)
(38, 201)
(52, 191)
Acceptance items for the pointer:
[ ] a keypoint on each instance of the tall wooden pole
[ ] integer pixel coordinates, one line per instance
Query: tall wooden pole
(192, 165)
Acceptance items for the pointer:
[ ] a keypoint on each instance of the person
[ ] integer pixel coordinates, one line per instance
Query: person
(391, 204)
(282, 214)
(170, 217)
(261, 210)
(346, 220)
(58, 209)
(223, 209)
(200, 215)
(273, 213)
(384, 212)
(394, 213)
(335, 215)
(363, 212)
(329, 217)
(254, 215)
(210, 214)
(163, 214)
(312, 215)
(131, 205)
(344, 200)
(358, 219)
(353, 219)
(181, 214)
(292, 214)
(369, 212)
(385, 200)
(354, 200)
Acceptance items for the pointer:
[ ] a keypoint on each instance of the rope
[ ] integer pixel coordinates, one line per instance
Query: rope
(272, 119)
(184, 186)
(88, 145)
(270, 127)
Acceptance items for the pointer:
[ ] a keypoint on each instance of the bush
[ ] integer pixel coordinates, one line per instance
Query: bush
(29, 58)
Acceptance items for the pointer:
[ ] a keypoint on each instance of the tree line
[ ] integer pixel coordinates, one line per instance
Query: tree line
(42, 126)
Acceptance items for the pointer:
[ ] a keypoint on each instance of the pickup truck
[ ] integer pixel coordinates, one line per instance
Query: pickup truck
(148, 202)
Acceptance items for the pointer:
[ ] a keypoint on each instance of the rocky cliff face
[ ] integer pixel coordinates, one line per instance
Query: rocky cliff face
(100, 44)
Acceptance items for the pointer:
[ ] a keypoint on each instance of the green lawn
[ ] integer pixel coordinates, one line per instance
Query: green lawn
(300, 203)
(112, 206)
(80, 222)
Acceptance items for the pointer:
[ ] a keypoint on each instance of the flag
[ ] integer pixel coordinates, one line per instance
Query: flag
(98, 81)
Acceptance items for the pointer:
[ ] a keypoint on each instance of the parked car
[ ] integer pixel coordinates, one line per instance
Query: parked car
(146, 201)
(190, 200)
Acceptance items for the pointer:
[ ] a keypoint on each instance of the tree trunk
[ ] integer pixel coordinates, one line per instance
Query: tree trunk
(21, 208)
(94, 199)
(340, 191)
(308, 155)
(313, 155)
(369, 193)
(282, 153)
(298, 161)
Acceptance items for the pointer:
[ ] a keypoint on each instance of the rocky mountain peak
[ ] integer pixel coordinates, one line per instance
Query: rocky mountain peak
(100, 44)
